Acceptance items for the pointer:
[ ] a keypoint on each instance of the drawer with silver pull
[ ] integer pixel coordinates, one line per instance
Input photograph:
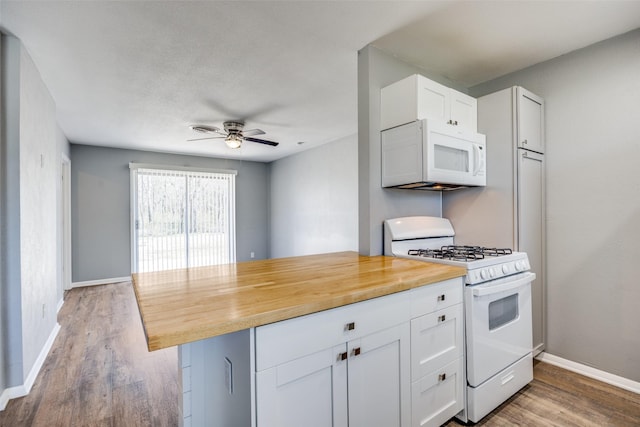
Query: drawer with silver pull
(436, 339)
(430, 298)
(289, 339)
(438, 396)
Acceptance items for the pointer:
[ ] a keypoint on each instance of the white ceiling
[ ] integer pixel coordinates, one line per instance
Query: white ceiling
(136, 74)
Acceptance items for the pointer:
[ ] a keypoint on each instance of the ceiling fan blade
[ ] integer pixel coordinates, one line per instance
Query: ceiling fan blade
(252, 132)
(206, 129)
(209, 137)
(262, 141)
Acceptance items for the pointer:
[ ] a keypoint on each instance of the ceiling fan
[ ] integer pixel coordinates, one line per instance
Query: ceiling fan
(233, 134)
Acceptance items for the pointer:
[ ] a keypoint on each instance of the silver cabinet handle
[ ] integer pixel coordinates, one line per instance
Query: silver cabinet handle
(442, 318)
(350, 326)
(355, 351)
(441, 297)
(525, 142)
(342, 356)
(442, 377)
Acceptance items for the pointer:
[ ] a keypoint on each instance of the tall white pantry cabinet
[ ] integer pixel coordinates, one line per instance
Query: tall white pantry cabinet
(510, 210)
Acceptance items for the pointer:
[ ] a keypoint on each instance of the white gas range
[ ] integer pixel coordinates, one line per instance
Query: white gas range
(497, 299)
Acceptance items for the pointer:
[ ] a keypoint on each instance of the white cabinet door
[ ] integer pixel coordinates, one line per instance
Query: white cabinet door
(434, 101)
(531, 234)
(309, 391)
(379, 378)
(464, 111)
(530, 113)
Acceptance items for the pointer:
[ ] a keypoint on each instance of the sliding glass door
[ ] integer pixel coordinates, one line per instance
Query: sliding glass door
(182, 218)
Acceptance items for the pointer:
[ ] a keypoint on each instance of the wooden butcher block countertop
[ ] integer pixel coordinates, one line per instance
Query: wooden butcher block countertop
(181, 306)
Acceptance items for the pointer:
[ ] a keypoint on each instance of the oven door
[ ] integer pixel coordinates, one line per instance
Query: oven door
(498, 325)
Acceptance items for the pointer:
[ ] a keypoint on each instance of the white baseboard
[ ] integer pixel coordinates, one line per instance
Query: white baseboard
(101, 282)
(11, 393)
(31, 378)
(59, 306)
(590, 372)
(24, 389)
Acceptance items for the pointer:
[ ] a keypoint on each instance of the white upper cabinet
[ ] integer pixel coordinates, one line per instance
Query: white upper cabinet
(416, 98)
(464, 110)
(432, 100)
(530, 114)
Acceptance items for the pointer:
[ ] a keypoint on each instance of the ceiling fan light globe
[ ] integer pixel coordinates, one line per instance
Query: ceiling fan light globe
(233, 141)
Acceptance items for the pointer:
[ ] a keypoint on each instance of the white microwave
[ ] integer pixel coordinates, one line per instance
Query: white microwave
(432, 155)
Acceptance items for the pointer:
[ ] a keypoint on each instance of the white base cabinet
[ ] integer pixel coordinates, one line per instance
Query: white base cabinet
(436, 339)
(438, 396)
(378, 380)
(391, 361)
(311, 390)
(360, 378)
(327, 388)
(437, 358)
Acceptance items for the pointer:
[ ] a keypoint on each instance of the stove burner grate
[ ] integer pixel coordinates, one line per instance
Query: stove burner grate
(460, 253)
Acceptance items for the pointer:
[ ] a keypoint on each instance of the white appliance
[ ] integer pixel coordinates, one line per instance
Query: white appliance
(432, 155)
(497, 299)
(510, 210)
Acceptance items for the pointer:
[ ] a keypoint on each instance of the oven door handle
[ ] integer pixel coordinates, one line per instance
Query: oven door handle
(488, 289)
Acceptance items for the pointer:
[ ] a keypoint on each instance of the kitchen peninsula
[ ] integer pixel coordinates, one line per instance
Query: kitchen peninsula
(255, 337)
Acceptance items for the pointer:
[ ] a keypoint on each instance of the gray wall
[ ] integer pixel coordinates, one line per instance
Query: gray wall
(314, 200)
(31, 147)
(11, 279)
(3, 296)
(100, 211)
(593, 203)
(376, 70)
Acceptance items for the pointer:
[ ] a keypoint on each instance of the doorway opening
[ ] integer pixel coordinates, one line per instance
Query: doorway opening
(65, 216)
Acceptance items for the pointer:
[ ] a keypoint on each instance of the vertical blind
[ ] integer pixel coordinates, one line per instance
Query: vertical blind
(182, 218)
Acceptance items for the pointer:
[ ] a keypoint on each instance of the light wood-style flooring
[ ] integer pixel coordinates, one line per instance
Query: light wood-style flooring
(557, 397)
(99, 373)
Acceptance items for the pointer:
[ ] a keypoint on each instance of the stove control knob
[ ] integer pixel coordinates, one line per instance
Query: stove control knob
(505, 269)
(519, 265)
(493, 272)
(484, 274)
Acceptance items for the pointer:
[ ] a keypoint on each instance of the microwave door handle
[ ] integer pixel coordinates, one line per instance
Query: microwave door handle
(482, 291)
(476, 159)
